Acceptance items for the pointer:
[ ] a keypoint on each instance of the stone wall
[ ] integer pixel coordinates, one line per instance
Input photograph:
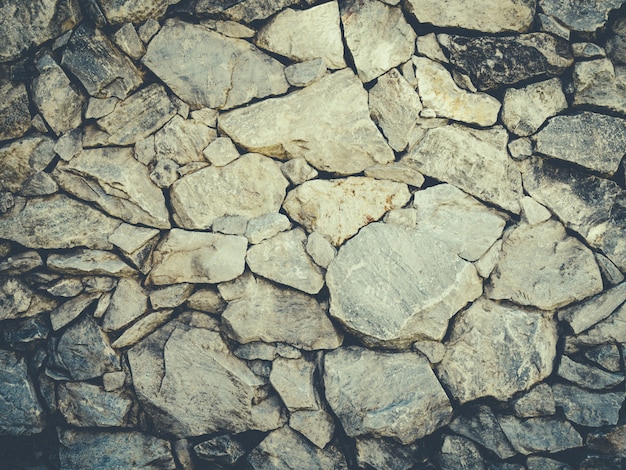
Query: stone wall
(302, 234)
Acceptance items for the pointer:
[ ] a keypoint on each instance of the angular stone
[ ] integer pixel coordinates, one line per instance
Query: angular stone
(272, 314)
(142, 328)
(533, 213)
(101, 67)
(165, 173)
(362, 200)
(520, 149)
(600, 84)
(473, 160)
(400, 172)
(326, 123)
(14, 112)
(266, 226)
(497, 358)
(538, 401)
(588, 408)
(86, 405)
(113, 380)
(134, 11)
(197, 257)
(283, 259)
(183, 140)
(40, 184)
(586, 314)
(89, 262)
(587, 376)
(21, 263)
(305, 73)
(230, 28)
(245, 10)
(317, 426)
(224, 449)
(610, 330)
(489, 16)
(128, 41)
(386, 454)
(298, 171)
(206, 69)
(540, 434)
(610, 272)
(302, 35)
(526, 109)
(237, 288)
(320, 249)
(611, 442)
(293, 380)
(221, 152)
(71, 309)
(23, 159)
(170, 296)
(129, 302)
(586, 17)
(606, 356)
(491, 62)
(15, 298)
(136, 243)
(384, 394)
(206, 300)
(458, 452)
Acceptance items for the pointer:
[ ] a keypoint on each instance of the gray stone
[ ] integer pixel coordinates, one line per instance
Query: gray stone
(183, 140)
(610, 272)
(165, 173)
(231, 224)
(221, 152)
(224, 449)
(589, 50)
(86, 405)
(100, 107)
(85, 262)
(24, 332)
(586, 314)
(458, 452)
(587, 376)
(206, 300)
(406, 217)
(142, 328)
(206, 116)
(384, 394)
(40, 184)
(7, 202)
(607, 331)
(298, 171)
(317, 426)
(71, 309)
(245, 10)
(600, 84)
(534, 462)
(326, 123)
(539, 434)
(14, 112)
(550, 24)
(23, 159)
(401, 172)
(320, 249)
(128, 41)
(17, 299)
(170, 296)
(134, 11)
(520, 149)
(616, 42)
(588, 408)
(129, 302)
(136, 243)
(147, 30)
(266, 226)
(428, 46)
(305, 73)
(611, 442)
(20, 263)
(533, 213)
(538, 401)
(257, 350)
(381, 454)
(70, 144)
(293, 380)
(586, 17)
(113, 380)
(606, 356)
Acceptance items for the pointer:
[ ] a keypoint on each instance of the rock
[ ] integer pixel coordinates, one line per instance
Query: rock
(271, 314)
(142, 328)
(589, 50)
(201, 197)
(489, 16)
(21, 263)
(580, 17)
(473, 160)
(384, 394)
(183, 140)
(70, 144)
(540, 434)
(197, 257)
(615, 44)
(221, 152)
(498, 359)
(101, 67)
(297, 171)
(136, 243)
(283, 259)
(538, 401)
(316, 425)
(113, 380)
(406, 217)
(549, 24)
(206, 300)
(607, 331)
(170, 296)
(23, 159)
(14, 113)
(237, 288)
(27, 24)
(458, 452)
(24, 332)
(86, 405)
(133, 11)
(266, 226)
(293, 380)
(85, 262)
(129, 302)
(407, 305)
(492, 62)
(128, 41)
(598, 83)
(147, 30)
(71, 309)
(165, 173)
(138, 116)
(320, 249)
(520, 149)
(224, 449)
(533, 213)
(217, 72)
(610, 442)
(93, 448)
(610, 272)
(21, 412)
(100, 107)
(526, 109)
(305, 73)
(230, 28)
(543, 463)
(395, 107)
(606, 356)
(377, 35)
(40, 184)
(586, 314)
(439, 92)
(230, 224)
(117, 183)
(588, 408)
(400, 172)
(362, 200)
(337, 135)
(302, 35)
(385, 454)
(17, 299)
(587, 376)
(246, 10)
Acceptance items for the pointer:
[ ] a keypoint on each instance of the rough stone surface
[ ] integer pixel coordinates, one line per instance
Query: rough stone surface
(600, 84)
(317, 426)
(183, 140)
(14, 112)
(266, 226)
(386, 453)
(586, 314)
(539, 434)
(587, 17)
(134, 11)
(293, 380)
(588, 408)
(587, 376)
(246, 10)
(305, 73)
(86, 262)
(22, 160)
(538, 401)
(458, 452)
(86, 405)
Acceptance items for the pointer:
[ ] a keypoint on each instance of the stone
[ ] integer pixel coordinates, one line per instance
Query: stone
(589, 50)
(458, 452)
(606, 356)
(23, 159)
(30, 23)
(214, 71)
(115, 182)
(83, 261)
(407, 305)
(165, 173)
(377, 35)
(538, 401)
(69, 144)
(439, 92)
(293, 380)
(134, 11)
(610, 272)
(534, 462)
(183, 140)
(520, 149)
(302, 35)
(136, 243)
(608, 330)
(14, 113)
(101, 67)
(611, 442)
(406, 217)
(489, 16)
(580, 17)
(86, 405)
(128, 41)
(142, 328)
(138, 116)
(221, 152)
(533, 213)
(266, 226)
(197, 257)
(549, 24)
(240, 287)
(22, 414)
(93, 448)
(206, 300)
(487, 263)
(100, 107)
(170, 296)
(283, 259)
(540, 434)
(587, 376)
(317, 426)
(395, 107)
(320, 249)
(113, 380)
(600, 84)
(297, 171)
(230, 225)
(230, 28)
(583, 316)
(257, 350)
(40, 184)
(129, 302)
(337, 135)
(71, 309)
(474, 160)
(224, 449)
(384, 394)
(147, 30)
(15, 299)
(401, 172)
(487, 358)
(305, 73)
(386, 453)
(588, 408)
(246, 10)
(428, 46)
(24, 332)
(21, 263)
(201, 197)
(615, 44)
(526, 109)
(274, 314)
(492, 62)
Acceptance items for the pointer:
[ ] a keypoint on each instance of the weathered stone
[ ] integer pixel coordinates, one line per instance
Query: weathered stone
(382, 454)
(606, 356)
(230, 28)
(85, 262)
(610, 272)
(240, 287)
(298, 171)
(245, 10)
(183, 140)
(266, 226)
(533, 213)
(25, 331)
(589, 50)
(550, 24)
(197, 257)
(305, 34)
(113, 380)
(206, 69)
(40, 184)
(100, 107)
(206, 300)
(271, 314)
(587, 376)
(147, 30)
(491, 62)
(539, 434)
(384, 394)
(21, 263)
(201, 197)
(609, 330)
(293, 380)
(587, 17)
(320, 249)
(489, 16)
(473, 160)
(497, 358)
(362, 200)
(170, 296)
(616, 42)
(317, 426)
(599, 83)
(14, 112)
(586, 314)
(224, 449)
(534, 462)
(326, 123)
(142, 328)
(458, 452)
(71, 309)
(400, 172)
(526, 109)
(221, 152)
(87, 405)
(128, 41)
(406, 217)
(165, 173)
(230, 224)
(520, 149)
(101, 67)
(538, 401)
(136, 243)
(588, 408)
(305, 73)
(134, 11)
(129, 302)
(23, 159)
(611, 442)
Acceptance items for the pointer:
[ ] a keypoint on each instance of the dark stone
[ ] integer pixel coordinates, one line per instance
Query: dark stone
(539, 434)
(606, 356)
(242, 10)
(616, 43)
(14, 113)
(459, 453)
(22, 332)
(224, 449)
(588, 408)
(387, 454)
(585, 16)
(609, 442)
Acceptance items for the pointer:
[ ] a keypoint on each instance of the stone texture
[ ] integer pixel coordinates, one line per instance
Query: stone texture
(23, 159)
(246, 10)
(320, 249)
(136, 243)
(586, 17)
(266, 226)
(606, 356)
(609, 330)
(498, 359)
(458, 452)
(538, 401)
(86, 405)
(588, 408)
(14, 112)
(540, 434)
(128, 41)
(183, 140)
(142, 328)
(587, 376)
(386, 453)
(336, 136)
(170, 296)
(533, 213)
(82, 261)
(133, 11)
(317, 426)
(600, 84)
(129, 302)
(586, 314)
(293, 380)
(611, 442)
(305, 73)
(221, 152)
(384, 394)
(71, 309)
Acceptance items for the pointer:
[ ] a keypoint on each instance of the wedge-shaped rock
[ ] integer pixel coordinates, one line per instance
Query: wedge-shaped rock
(129, 302)
(197, 257)
(489, 16)
(89, 262)
(540, 434)
(206, 69)
(318, 426)
(134, 11)
(496, 350)
(540, 265)
(23, 159)
(473, 160)
(338, 208)
(592, 140)
(384, 394)
(492, 62)
(394, 296)
(588, 408)
(327, 123)
(307, 34)
(293, 380)
(86, 405)
(273, 314)
(250, 186)
(586, 314)
(600, 84)
(136, 243)
(183, 140)
(610, 330)
(115, 181)
(14, 113)
(378, 36)
(580, 16)
(244, 10)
